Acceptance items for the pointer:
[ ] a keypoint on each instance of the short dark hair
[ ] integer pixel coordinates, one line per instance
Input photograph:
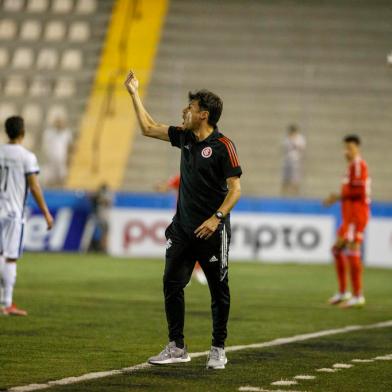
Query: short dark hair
(352, 139)
(210, 102)
(14, 127)
(292, 128)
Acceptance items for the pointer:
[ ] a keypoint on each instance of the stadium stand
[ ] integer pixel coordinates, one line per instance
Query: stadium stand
(315, 63)
(49, 53)
(108, 123)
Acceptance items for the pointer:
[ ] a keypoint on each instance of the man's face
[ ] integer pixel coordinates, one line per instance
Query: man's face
(193, 116)
(351, 151)
(59, 123)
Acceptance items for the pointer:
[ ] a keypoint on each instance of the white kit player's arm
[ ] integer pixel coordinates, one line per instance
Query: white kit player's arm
(148, 125)
(36, 191)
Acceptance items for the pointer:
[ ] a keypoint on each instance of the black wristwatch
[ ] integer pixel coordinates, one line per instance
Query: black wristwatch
(219, 215)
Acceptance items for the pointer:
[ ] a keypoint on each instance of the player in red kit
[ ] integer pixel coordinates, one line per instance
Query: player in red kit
(355, 203)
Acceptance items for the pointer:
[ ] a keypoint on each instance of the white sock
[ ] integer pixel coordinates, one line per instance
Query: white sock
(2, 263)
(9, 279)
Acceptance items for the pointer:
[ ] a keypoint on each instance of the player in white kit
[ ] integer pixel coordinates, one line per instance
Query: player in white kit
(18, 174)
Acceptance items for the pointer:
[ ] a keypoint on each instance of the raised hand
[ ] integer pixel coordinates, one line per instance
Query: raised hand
(131, 83)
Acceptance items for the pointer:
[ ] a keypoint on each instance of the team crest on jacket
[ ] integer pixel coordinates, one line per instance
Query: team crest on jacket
(206, 152)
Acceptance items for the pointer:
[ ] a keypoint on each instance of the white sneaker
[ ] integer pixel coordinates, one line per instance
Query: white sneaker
(216, 358)
(354, 302)
(170, 354)
(339, 298)
(199, 276)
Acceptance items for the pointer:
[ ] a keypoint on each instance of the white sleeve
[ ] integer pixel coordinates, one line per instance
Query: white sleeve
(303, 141)
(31, 164)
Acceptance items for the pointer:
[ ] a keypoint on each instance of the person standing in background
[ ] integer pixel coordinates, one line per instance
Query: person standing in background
(102, 202)
(57, 143)
(354, 198)
(294, 145)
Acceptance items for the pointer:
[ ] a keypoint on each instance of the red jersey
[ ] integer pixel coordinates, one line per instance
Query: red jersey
(356, 191)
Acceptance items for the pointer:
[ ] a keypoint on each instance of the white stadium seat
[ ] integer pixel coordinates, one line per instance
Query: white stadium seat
(71, 60)
(62, 6)
(23, 58)
(15, 87)
(37, 5)
(55, 31)
(39, 88)
(13, 5)
(8, 29)
(6, 110)
(32, 113)
(86, 6)
(79, 32)
(64, 88)
(4, 57)
(30, 30)
(47, 58)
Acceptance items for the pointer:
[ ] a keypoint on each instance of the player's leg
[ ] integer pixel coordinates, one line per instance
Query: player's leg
(286, 179)
(61, 173)
(2, 264)
(213, 257)
(355, 263)
(356, 266)
(178, 271)
(9, 279)
(295, 178)
(12, 250)
(338, 251)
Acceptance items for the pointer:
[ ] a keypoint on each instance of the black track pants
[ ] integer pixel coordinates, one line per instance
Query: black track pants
(181, 254)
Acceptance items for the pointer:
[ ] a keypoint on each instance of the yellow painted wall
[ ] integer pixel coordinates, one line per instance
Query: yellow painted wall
(103, 158)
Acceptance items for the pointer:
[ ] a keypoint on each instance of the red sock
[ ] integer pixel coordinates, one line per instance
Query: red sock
(340, 264)
(354, 258)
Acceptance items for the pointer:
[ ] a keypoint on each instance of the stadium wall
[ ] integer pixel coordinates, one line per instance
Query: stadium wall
(263, 229)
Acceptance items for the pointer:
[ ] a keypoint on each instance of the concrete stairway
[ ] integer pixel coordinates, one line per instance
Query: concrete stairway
(319, 64)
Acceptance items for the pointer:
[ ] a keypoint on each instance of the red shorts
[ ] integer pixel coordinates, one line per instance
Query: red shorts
(353, 230)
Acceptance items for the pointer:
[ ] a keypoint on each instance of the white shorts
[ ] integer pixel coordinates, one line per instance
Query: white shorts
(11, 238)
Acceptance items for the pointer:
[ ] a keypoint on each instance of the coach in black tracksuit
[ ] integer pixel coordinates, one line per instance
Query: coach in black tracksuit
(205, 165)
(209, 188)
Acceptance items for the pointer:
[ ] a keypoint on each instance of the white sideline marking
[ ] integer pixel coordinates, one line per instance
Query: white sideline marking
(342, 366)
(362, 360)
(384, 358)
(327, 370)
(272, 343)
(257, 389)
(304, 377)
(284, 382)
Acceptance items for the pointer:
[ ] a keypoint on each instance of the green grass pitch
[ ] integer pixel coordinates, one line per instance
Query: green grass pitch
(91, 313)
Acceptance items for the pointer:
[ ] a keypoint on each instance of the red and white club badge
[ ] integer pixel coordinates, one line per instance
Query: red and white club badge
(206, 152)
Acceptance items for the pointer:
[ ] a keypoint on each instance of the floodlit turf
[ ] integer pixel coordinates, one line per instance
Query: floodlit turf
(93, 313)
